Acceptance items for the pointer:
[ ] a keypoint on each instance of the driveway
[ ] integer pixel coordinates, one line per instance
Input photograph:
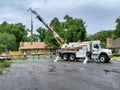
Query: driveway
(62, 75)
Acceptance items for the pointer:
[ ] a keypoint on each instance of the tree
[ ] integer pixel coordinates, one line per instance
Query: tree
(18, 30)
(75, 29)
(67, 17)
(8, 40)
(117, 31)
(2, 47)
(49, 39)
(41, 34)
(57, 26)
(35, 38)
(102, 36)
(71, 30)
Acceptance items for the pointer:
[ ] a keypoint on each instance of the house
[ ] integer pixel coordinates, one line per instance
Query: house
(35, 47)
(114, 45)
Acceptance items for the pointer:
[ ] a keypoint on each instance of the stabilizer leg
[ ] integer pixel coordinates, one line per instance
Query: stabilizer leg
(86, 60)
(57, 58)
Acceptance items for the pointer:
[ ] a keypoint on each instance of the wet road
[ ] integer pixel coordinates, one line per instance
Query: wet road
(62, 75)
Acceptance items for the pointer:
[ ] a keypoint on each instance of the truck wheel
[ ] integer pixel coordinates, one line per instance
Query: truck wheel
(72, 57)
(65, 57)
(103, 58)
(108, 60)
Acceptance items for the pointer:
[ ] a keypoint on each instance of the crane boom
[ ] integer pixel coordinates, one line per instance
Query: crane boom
(57, 37)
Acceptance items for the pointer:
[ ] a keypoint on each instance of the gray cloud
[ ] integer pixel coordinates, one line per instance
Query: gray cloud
(98, 14)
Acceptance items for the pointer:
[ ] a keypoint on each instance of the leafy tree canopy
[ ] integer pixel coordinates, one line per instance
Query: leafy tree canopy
(117, 31)
(41, 34)
(2, 47)
(18, 31)
(102, 36)
(8, 40)
(71, 30)
(75, 29)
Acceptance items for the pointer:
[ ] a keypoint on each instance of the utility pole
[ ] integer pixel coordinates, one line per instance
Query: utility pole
(31, 37)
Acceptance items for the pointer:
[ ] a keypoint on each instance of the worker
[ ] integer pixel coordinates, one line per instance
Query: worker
(25, 55)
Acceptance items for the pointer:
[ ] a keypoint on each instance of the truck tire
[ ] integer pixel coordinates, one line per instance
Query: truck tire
(103, 58)
(108, 59)
(72, 57)
(65, 57)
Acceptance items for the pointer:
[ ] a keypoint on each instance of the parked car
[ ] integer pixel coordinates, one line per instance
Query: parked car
(5, 55)
(1, 59)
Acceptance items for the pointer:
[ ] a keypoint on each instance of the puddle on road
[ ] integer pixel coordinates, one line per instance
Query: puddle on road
(111, 71)
(52, 68)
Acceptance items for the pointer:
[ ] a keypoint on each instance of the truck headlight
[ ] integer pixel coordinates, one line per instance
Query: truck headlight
(109, 52)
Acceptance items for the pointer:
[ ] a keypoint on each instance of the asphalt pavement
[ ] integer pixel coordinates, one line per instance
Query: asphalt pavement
(62, 75)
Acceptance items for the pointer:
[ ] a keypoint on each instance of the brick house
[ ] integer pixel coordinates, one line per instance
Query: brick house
(35, 47)
(114, 45)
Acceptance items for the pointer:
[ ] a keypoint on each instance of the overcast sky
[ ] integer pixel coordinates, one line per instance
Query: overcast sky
(97, 14)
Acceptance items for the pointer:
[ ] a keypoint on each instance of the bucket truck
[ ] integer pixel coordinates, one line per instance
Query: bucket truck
(72, 51)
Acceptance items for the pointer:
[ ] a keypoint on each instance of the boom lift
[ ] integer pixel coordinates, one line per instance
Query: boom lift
(57, 37)
(72, 51)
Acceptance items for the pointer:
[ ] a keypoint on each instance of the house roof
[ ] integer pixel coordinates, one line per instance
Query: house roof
(115, 44)
(34, 45)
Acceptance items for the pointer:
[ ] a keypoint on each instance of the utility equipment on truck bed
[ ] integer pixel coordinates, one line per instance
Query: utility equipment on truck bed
(77, 50)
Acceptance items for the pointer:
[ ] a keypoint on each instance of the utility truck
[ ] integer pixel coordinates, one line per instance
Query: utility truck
(89, 49)
(78, 50)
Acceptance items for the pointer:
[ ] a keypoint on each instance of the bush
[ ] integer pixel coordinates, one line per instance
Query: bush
(116, 54)
(4, 65)
(1, 71)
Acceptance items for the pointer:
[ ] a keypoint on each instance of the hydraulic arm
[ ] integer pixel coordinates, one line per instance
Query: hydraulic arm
(57, 37)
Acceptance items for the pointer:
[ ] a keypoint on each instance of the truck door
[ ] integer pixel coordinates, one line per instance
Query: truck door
(95, 50)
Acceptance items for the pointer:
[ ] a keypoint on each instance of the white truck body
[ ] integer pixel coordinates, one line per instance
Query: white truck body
(90, 49)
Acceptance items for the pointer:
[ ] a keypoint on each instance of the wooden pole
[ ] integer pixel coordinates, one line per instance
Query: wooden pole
(31, 37)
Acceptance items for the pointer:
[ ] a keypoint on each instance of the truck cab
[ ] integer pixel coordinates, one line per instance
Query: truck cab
(103, 55)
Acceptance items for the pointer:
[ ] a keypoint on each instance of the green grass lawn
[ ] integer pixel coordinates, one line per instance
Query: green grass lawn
(115, 58)
(3, 65)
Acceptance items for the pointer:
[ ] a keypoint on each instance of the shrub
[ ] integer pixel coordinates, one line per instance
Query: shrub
(1, 71)
(116, 54)
(4, 65)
